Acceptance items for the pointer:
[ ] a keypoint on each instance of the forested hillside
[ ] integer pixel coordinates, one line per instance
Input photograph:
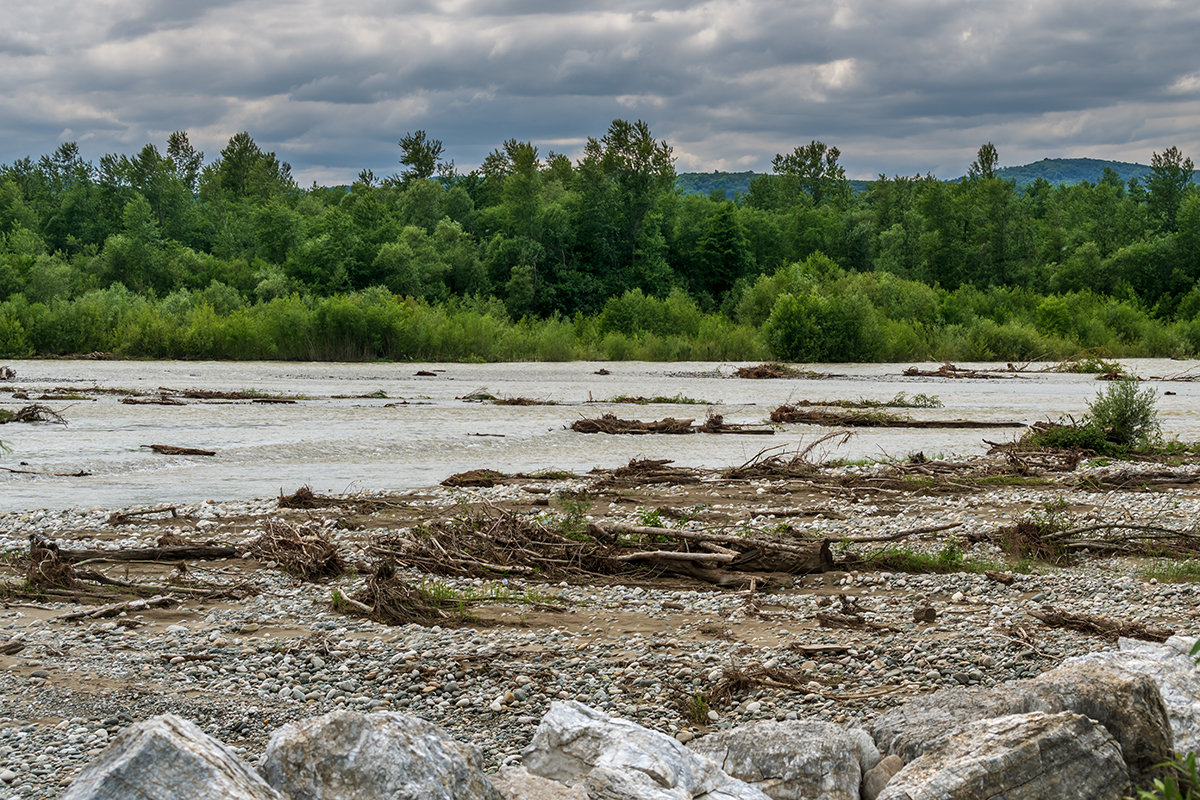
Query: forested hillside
(167, 253)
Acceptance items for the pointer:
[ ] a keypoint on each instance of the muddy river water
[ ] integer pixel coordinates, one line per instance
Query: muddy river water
(416, 432)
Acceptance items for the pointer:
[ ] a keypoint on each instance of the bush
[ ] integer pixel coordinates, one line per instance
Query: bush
(1126, 415)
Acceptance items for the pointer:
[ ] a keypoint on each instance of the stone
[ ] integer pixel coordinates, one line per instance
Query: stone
(1172, 670)
(1128, 705)
(925, 614)
(807, 760)
(1063, 756)
(615, 759)
(349, 755)
(168, 758)
(518, 783)
(876, 778)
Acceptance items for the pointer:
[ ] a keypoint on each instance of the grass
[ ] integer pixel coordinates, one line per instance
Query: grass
(695, 709)
(1167, 571)
(573, 522)
(678, 399)
(650, 518)
(553, 474)
(901, 400)
(1182, 781)
(947, 560)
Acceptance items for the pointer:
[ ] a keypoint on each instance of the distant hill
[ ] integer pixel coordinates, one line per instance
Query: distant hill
(731, 183)
(1060, 171)
(1057, 171)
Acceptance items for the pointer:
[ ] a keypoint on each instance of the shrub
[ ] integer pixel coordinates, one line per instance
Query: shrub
(1126, 415)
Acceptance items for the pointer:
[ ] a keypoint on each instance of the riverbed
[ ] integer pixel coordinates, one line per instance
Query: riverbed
(381, 426)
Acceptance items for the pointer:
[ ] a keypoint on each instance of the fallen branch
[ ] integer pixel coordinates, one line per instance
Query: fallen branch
(675, 555)
(34, 413)
(172, 450)
(902, 534)
(113, 609)
(195, 552)
(122, 517)
(1100, 626)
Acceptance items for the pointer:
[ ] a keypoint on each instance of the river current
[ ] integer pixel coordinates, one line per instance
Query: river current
(416, 432)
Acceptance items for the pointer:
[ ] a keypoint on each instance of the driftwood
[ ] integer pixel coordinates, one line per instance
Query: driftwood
(951, 371)
(609, 423)
(766, 371)
(647, 471)
(479, 478)
(875, 419)
(152, 401)
(195, 552)
(390, 599)
(172, 450)
(757, 554)
(113, 609)
(1101, 626)
(303, 552)
(33, 413)
(124, 517)
(715, 423)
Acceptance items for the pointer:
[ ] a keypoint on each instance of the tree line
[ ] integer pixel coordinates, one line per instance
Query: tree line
(533, 255)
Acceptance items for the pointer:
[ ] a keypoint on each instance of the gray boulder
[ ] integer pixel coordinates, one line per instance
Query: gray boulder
(615, 759)
(1127, 704)
(348, 755)
(877, 777)
(168, 758)
(518, 783)
(1172, 670)
(1019, 757)
(802, 760)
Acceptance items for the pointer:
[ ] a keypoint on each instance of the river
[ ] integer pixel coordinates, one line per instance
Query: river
(421, 433)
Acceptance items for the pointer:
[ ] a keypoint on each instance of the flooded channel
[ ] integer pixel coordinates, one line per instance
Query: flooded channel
(383, 426)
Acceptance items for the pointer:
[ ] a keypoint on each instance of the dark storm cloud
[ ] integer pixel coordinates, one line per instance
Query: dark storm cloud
(901, 86)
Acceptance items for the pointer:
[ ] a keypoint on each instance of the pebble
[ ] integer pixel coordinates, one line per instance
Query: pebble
(241, 669)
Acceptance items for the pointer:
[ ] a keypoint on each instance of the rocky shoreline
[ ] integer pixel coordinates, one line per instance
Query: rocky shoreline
(675, 656)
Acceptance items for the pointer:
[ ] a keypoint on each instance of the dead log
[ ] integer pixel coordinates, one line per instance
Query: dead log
(902, 534)
(675, 555)
(172, 553)
(756, 554)
(172, 450)
(122, 517)
(609, 423)
(1111, 629)
(152, 401)
(875, 419)
(114, 609)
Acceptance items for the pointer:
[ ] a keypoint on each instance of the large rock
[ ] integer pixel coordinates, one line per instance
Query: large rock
(615, 759)
(1127, 704)
(877, 777)
(168, 758)
(802, 760)
(518, 783)
(1019, 757)
(1171, 668)
(348, 755)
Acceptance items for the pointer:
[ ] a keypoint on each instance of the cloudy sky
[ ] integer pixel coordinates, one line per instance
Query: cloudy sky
(900, 86)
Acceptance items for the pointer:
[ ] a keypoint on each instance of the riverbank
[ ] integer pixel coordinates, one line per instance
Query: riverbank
(242, 646)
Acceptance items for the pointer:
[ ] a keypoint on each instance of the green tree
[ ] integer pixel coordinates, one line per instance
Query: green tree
(421, 155)
(985, 163)
(816, 168)
(1167, 184)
